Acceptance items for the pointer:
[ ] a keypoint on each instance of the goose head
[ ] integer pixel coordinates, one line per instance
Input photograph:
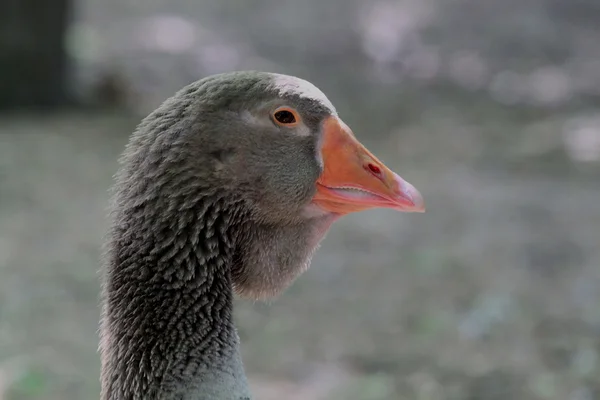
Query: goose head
(229, 186)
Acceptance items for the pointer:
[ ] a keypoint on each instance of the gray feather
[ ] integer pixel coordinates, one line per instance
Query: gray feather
(204, 203)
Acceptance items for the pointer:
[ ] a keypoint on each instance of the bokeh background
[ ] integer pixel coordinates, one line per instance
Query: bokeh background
(490, 107)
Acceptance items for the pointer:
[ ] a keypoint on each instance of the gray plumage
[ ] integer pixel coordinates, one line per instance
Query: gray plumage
(210, 199)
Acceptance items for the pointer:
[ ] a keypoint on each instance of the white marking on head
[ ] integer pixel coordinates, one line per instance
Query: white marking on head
(292, 85)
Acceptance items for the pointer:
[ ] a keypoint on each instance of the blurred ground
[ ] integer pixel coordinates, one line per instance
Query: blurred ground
(489, 107)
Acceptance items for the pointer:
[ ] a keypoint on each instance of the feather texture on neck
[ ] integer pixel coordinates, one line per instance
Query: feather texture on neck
(202, 206)
(167, 330)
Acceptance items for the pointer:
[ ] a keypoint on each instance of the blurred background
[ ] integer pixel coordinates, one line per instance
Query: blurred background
(490, 107)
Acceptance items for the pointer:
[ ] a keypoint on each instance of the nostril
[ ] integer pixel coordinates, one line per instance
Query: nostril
(374, 169)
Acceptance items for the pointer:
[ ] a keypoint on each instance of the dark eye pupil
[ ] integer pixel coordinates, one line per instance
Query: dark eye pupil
(285, 117)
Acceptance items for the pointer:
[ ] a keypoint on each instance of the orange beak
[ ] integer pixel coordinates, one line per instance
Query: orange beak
(354, 180)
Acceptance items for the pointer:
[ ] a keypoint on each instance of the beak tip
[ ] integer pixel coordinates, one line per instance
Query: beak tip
(419, 203)
(418, 207)
(409, 192)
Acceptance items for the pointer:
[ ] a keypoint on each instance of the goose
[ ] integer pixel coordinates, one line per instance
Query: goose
(227, 188)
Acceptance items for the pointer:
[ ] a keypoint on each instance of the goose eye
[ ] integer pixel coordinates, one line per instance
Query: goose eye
(286, 116)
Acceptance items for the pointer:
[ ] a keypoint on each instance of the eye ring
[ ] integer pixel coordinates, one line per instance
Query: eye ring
(286, 116)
